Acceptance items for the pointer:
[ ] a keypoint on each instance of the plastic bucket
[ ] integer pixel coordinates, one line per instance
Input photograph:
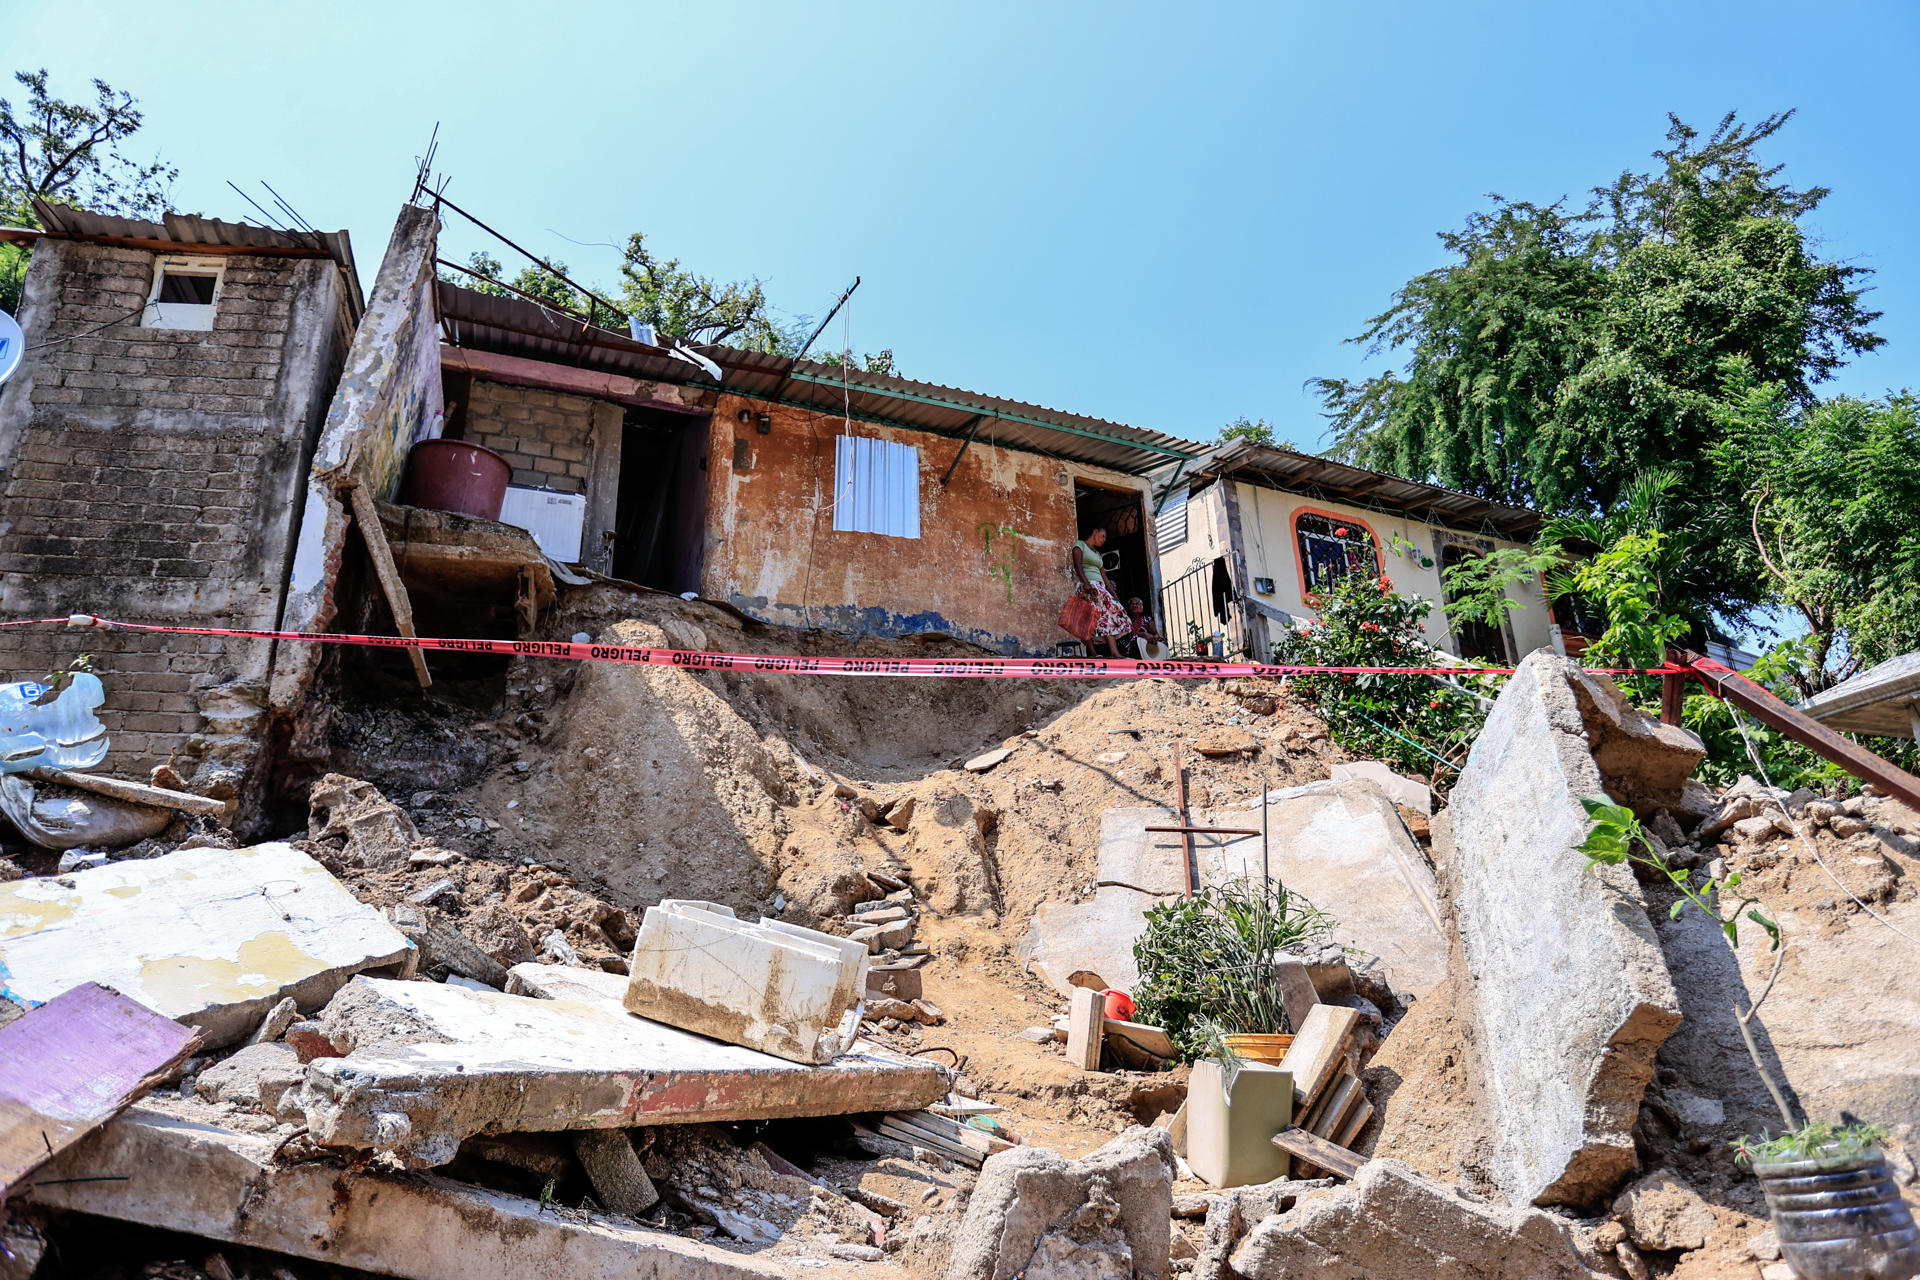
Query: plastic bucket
(1841, 1217)
(1119, 1006)
(452, 475)
(1268, 1049)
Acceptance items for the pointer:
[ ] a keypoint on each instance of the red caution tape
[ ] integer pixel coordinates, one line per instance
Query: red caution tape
(779, 664)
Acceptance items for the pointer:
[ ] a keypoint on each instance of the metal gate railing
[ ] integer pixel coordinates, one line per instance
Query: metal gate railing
(1196, 621)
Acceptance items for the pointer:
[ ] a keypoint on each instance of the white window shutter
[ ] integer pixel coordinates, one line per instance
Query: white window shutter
(876, 485)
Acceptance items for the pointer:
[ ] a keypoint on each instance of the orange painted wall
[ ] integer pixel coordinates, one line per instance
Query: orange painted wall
(766, 519)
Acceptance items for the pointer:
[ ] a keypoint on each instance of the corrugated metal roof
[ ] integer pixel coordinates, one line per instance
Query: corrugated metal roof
(190, 229)
(1304, 473)
(515, 326)
(1880, 700)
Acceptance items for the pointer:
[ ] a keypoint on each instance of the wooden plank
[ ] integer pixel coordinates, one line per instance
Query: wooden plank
(375, 537)
(1315, 1057)
(71, 1065)
(891, 1128)
(1338, 1161)
(131, 792)
(1086, 1027)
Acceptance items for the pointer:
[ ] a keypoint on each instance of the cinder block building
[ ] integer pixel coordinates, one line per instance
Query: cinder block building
(154, 447)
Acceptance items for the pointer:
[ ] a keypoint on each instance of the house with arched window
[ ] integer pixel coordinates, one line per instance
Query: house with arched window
(1249, 536)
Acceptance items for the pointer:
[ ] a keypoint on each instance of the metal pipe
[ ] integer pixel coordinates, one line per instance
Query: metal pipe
(1186, 837)
(966, 444)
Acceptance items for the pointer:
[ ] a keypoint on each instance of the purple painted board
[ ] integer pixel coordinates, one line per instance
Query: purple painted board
(71, 1065)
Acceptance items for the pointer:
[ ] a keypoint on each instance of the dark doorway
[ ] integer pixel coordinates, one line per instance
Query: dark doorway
(660, 526)
(1474, 639)
(1122, 514)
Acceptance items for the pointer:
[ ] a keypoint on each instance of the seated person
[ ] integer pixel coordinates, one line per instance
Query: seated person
(1141, 629)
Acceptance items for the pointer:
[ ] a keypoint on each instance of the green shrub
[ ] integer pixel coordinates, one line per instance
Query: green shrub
(1206, 962)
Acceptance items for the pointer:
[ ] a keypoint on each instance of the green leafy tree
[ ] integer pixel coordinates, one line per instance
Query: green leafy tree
(70, 153)
(1253, 430)
(543, 283)
(880, 362)
(1561, 354)
(691, 306)
(1832, 516)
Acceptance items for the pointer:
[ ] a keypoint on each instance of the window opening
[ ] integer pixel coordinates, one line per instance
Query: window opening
(1331, 549)
(184, 295)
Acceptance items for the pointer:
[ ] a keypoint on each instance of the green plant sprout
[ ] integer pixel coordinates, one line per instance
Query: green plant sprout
(1617, 837)
(1808, 1141)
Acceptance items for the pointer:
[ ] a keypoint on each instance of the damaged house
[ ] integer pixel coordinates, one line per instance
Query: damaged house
(1248, 534)
(154, 444)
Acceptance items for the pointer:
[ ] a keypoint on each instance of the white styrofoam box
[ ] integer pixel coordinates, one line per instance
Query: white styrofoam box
(555, 519)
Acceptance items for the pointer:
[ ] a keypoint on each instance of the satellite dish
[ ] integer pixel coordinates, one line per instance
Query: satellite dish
(13, 345)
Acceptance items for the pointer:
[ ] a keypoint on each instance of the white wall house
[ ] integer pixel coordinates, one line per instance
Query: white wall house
(1248, 532)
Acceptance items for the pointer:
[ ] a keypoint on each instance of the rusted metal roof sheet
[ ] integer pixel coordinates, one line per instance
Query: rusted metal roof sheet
(188, 230)
(515, 326)
(1304, 473)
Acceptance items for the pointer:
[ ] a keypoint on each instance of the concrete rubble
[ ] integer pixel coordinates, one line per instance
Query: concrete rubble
(189, 1176)
(1391, 1221)
(1036, 1215)
(426, 1066)
(212, 937)
(773, 986)
(1564, 983)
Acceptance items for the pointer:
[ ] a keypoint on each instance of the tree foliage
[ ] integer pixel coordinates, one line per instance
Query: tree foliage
(691, 306)
(1561, 355)
(1832, 516)
(74, 153)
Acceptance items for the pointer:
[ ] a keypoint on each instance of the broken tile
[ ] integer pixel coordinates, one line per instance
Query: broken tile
(210, 937)
(770, 986)
(464, 1062)
(988, 759)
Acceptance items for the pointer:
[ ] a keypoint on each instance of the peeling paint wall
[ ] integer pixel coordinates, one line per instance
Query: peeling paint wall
(990, 565)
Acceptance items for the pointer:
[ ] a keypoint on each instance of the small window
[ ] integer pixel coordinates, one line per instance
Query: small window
(184, 293)
(1170, 526)
(1331, 549)
(876, 487)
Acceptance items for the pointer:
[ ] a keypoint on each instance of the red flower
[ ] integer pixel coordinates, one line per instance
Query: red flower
(1340, 532)
(1432, 705)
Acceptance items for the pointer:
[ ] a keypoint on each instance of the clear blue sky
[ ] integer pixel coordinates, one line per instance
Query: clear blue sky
(1165, 215)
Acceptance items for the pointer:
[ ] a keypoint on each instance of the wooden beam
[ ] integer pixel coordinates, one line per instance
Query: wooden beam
(1318, 1152)
(131, 792)
(1086, 1028)
(395, 590)
(1727, 683)
(1317, 1052)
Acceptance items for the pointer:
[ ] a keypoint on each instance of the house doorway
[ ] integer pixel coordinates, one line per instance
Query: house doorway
(1472, 638)
(660, 523)
(1122, 513)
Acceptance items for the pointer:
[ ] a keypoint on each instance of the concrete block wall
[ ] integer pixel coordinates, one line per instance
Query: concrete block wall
(546, 435)
(152, 475)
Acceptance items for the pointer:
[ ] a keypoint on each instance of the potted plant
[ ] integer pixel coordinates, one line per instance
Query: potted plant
(1831, 1194)
(1208, 962)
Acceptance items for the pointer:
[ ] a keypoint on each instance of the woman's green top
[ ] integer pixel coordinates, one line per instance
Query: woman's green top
(1090, 563)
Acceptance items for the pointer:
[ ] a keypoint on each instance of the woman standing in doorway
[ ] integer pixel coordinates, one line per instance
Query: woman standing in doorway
(1110, 620)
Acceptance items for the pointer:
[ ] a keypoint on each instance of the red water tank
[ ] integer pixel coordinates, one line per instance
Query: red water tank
(452, 475)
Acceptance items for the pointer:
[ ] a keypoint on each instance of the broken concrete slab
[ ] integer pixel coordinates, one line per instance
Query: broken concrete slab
(771, 986)
(242, 1079)
(180, 1175)
(1034, 1213)
(210, 937)
(988, 759)
(1342, 845)
(1391, 1223)
(1566, 989)
(1403, 791)
(432, 1064)
(69, 1065)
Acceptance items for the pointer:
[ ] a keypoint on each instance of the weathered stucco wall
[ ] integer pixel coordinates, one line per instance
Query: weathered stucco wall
(1272, 551)
(768, 504)
(153, 475)
(389, 392)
